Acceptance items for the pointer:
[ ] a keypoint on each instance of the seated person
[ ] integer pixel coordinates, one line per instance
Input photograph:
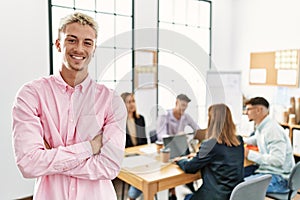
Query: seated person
(220, 157)
(135, 126)
(174, 122)
(135, 132)
(275, 154)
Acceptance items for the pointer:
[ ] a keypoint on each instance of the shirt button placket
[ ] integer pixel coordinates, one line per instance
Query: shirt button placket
(72, 190)
(71, 118)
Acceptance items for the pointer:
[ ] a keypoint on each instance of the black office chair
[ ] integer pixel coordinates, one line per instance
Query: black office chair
(254, 188)
(293, 185)
(153, 136)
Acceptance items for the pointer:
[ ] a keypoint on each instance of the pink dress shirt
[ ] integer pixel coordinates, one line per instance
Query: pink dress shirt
(67, 119)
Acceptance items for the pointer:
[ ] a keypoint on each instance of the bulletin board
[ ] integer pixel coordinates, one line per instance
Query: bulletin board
(279, 68)
(262, 71)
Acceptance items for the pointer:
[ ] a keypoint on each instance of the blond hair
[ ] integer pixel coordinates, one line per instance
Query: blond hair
(77, 17)
(221, 126)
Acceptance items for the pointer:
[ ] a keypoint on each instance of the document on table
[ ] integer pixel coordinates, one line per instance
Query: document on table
(142, 164)
(148, 150)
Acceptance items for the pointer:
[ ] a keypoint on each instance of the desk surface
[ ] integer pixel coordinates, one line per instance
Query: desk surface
(167, 176)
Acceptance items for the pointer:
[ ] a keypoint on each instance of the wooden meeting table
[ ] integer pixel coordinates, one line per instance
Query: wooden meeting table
(166, 177)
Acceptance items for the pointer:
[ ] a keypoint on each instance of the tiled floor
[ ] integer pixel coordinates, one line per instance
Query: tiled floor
(181, 191)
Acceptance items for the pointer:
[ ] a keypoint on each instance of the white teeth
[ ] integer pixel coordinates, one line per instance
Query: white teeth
(77, 57)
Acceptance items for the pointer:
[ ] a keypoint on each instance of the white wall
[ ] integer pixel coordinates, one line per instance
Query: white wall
(145, 26)
(24, 56)
(239, 27)
(222, 34)
(264, 25)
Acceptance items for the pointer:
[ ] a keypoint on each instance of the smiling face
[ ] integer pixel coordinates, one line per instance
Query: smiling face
(77, 45)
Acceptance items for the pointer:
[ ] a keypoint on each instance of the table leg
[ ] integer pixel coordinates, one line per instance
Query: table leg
(149, 190)
(123, 189)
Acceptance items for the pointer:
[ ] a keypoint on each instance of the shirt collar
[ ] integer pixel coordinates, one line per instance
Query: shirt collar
(173, 117)
(263, 123)
(82, 86)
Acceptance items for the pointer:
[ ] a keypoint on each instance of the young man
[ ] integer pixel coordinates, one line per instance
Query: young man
(275, 155)
(69, 131)
(175, 120)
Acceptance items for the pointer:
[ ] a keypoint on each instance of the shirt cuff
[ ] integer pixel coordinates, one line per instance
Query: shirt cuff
(253, 156)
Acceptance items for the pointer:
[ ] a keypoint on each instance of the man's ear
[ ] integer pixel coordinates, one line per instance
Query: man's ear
(58, 45)
(260, 109)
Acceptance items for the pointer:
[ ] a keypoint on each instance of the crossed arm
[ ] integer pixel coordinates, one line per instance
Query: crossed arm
(96, 158)
(96, 144)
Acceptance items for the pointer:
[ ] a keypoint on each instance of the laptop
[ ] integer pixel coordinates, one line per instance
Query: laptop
(178, 145)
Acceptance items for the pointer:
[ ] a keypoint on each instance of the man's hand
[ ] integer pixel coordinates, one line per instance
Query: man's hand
(96, 144)
(47, 146)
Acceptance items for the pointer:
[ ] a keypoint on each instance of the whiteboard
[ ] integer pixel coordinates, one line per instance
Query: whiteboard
(225, 87)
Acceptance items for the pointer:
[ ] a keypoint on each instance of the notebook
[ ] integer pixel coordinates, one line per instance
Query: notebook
(178, 145)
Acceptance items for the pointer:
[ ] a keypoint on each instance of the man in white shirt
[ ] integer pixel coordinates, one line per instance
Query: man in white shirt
(275, 154)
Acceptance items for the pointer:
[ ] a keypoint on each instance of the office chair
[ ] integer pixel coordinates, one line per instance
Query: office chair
(293, 185)
(153, 136)
(254, 188)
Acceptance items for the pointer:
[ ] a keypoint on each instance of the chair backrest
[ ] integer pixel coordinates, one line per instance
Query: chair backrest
(294, 180)
(153, 136)
(254, 188)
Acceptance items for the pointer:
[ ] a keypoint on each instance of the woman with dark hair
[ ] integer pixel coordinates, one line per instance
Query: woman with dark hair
(220, 157)
(135, 132)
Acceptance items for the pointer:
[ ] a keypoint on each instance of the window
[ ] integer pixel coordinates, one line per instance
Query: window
(112, 63)
(184, 53)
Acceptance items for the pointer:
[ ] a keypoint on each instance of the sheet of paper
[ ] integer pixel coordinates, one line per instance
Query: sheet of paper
(142, 164)
(148, 150)
(287, 77)
(135, 161)
(258, 76)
